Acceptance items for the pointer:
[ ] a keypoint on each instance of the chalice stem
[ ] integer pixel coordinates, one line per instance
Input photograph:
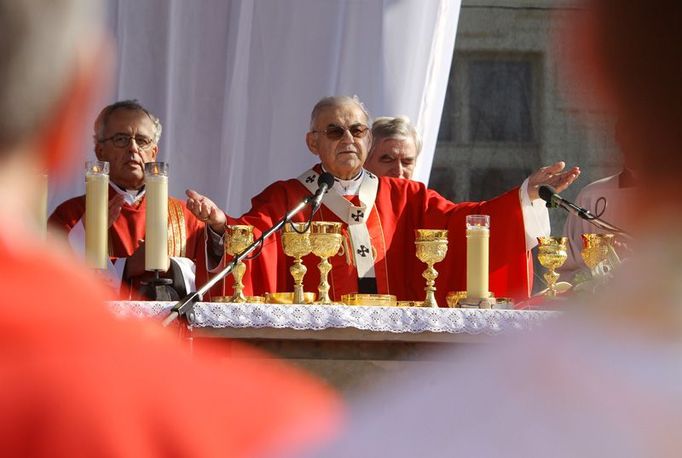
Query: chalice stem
(238, 275)
(551, 278)
(298, 270)
(430, 274)
(323, 288)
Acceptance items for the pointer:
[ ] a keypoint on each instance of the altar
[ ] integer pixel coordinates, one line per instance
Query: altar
(349, 346)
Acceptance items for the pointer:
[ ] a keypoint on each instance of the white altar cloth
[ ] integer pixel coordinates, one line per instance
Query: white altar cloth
(318, 317)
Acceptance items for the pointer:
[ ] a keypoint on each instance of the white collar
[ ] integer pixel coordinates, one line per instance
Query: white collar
(348, 187)
(130, 196)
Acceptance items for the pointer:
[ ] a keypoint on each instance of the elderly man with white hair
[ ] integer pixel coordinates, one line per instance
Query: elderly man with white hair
(379, 216)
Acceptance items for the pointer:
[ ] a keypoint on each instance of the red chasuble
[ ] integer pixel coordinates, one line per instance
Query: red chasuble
(401, 206)
(186, 234)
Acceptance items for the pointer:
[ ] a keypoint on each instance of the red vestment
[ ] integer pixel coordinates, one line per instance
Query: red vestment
(401, 206)
(75, 381)
(186, 234)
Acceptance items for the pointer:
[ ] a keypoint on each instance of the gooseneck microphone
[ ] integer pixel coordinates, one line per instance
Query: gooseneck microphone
(325, 182)
(554, 200)
(549, 195)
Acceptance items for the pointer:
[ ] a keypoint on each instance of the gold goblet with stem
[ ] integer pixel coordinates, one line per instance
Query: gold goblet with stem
(296, 243)
(595, 250)
(432, 246)
(237, 238)
(325, 238)
(552, 254)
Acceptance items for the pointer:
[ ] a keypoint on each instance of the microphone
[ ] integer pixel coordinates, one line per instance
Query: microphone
(325, 181)
(549, 195)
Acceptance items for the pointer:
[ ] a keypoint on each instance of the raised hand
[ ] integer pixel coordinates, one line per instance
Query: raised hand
(553, 175)
(205, 210)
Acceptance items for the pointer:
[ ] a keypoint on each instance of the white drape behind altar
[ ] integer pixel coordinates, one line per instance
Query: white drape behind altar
(234, 81)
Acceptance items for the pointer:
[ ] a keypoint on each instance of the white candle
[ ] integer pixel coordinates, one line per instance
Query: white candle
(96, 213)
(41, 206)
(156, 228)
(478, 241)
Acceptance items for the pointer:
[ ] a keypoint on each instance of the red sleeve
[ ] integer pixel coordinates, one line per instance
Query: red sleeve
(66, 215)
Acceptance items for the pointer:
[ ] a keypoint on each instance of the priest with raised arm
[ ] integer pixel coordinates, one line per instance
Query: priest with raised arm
(380, 215)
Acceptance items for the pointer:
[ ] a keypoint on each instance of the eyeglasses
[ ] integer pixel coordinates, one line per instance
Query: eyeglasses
(123, 141)
(334, 132)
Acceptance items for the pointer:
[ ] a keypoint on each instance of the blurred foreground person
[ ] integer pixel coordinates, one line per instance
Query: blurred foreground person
(606, 380)
(396, 145)
(73, 380)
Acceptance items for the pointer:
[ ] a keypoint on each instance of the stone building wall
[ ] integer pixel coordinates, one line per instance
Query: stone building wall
(507, 112)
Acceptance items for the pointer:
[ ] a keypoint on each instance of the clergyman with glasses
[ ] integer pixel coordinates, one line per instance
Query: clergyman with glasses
(126, 135)
(380, 215)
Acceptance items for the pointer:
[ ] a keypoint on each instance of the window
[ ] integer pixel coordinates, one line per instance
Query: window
(491, 99)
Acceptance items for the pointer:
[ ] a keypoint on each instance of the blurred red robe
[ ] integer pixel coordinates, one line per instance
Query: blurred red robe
(401, 206)
(76, 381)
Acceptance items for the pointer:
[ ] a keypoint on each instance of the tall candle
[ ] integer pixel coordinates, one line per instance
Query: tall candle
(478, 241)
(96, 213)
(41, 206)
(156, 233)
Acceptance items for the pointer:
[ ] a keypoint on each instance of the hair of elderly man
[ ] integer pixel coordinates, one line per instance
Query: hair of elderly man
(335, 101)
(133, 105)
(39, 42)
(398, 127)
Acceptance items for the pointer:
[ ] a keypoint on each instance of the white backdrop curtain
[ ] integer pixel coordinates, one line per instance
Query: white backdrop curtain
(234, 81)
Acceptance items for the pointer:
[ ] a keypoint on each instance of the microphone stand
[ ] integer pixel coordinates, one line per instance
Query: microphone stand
(590, 218)
(185, 307)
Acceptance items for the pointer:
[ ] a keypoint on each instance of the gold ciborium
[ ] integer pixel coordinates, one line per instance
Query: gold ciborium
(296, 243)
(432, 245)
(325, 238)
(552, 255)
(595, 250)
(237, 238)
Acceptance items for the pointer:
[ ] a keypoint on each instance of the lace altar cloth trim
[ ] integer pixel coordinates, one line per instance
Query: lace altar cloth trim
(317, 317)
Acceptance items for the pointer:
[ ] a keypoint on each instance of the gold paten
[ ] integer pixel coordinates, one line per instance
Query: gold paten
(288, 298)
(454, 297)
(410, 304)
(386, 300)
(250, 299)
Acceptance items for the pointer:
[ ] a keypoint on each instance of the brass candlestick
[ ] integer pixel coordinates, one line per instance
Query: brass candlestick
(595, 250)
(296, 244)
(237, 238)
(325, 238)
(552, 255)
(432, 245)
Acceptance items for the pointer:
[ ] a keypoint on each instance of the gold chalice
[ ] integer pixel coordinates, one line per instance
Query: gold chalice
(552, 255)
(325, 238)
(432, 245)
(296, 244)
(595, 249)
(237, 238)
